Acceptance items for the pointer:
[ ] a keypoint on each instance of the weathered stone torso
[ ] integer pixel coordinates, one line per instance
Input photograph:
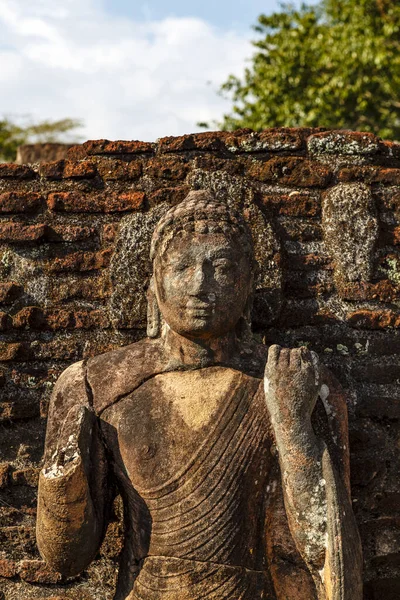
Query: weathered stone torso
(187, 448)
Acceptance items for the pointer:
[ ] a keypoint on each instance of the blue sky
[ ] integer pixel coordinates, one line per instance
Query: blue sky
(228, 14)
(128, 69)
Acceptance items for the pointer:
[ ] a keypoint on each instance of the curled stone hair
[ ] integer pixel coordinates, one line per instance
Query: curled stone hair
(199, 212)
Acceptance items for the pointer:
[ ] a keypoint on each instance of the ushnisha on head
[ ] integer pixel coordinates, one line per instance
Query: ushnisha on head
(203, 269)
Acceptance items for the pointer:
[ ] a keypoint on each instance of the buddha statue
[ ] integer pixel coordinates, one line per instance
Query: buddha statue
(231, 458)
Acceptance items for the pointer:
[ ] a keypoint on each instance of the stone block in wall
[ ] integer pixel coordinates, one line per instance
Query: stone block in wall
(130, 268)
(350, 229)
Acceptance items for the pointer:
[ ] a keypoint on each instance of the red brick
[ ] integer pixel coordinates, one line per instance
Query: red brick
(83, 597)
(171, 168)
(294, 171)
(390, 202)
(303, 289)
(67, 169)
(10, 291)
(18, 232)
(392, 148)
(69, 233)
(123, 202)
(29, 477)
(100, 147)
(59, 319)
(389, 236)
(112, 169)
(93, 288)
(309, 262)
(374, 373)
(305, 313)
(108, 203)
(387, 176)
(344, 142)
(52, 170)
(4, 477)
(60, 349)
(8, 568)
(384, 291)
(377, 406)
(70, 202)
(11, 351)
(36, 571)
(271, 140)
(80, 319)
(294, 205)
(84, 169)
(370, 175)
(81, 261)
(172, 195)
(214, 140)
(11, 170)
(30, 317)
(232, 165)
(374, 319)
(90, 319)
(5, 321)
(294, 229)
(110, 231)
(16, 411)
(20, 202)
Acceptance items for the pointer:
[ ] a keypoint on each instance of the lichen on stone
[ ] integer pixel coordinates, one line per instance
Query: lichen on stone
(350, 230)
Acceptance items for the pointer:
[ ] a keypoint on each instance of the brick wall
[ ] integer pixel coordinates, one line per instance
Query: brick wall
(324, 208)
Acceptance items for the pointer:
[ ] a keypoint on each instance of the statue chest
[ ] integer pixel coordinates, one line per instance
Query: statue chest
(176, 425)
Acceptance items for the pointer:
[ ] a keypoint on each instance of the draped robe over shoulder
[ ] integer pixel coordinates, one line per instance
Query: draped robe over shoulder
(192, 454)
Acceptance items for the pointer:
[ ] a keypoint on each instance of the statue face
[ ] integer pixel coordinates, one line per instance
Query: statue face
(202, 283)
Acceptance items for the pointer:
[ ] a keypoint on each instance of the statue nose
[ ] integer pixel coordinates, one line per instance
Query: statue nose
(199, 279)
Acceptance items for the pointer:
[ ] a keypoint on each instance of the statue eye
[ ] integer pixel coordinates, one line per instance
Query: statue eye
(181, 267)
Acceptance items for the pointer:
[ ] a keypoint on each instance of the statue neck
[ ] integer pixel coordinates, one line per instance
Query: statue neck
(198, 353)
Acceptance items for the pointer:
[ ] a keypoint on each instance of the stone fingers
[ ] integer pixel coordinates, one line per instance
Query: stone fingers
(273, 356)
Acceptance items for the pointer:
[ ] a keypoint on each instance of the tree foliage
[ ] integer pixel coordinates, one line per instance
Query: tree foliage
(13, 134)
(334, 64)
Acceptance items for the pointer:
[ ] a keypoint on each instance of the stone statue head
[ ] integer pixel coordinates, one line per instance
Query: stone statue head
(203, 270)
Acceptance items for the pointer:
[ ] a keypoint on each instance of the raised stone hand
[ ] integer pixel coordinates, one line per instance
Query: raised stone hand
(291, 384)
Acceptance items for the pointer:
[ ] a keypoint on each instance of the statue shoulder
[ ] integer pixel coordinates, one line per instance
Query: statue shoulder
(119, 372)
(72, 378)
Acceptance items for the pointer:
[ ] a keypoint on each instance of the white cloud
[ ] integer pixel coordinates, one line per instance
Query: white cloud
(125, 79)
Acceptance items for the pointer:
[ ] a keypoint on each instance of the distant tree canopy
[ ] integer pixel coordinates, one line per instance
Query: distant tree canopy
(13, 134)
(333, 64)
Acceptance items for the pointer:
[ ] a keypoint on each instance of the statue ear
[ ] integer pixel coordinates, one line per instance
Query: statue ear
(153, 312)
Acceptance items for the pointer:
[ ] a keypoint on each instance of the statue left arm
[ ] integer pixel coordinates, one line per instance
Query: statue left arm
(74, 489)
(317, 501)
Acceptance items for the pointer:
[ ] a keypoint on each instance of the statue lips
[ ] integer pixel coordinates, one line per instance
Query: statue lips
(199, 307)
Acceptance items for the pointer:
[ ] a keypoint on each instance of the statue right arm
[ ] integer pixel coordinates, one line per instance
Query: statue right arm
(73, 495)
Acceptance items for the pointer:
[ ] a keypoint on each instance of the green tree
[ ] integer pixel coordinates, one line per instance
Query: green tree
(13, 134)
(334, 64)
